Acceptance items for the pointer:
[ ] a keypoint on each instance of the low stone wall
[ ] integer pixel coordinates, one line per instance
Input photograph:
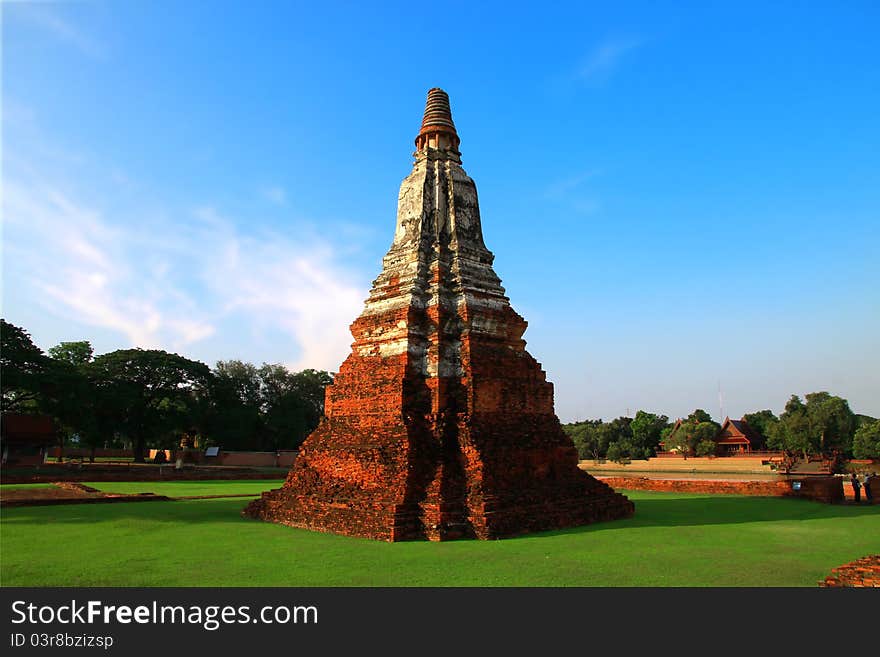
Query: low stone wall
(822, 489)
(148, 473)
(282, 459)
(721, 464)
(85, 452)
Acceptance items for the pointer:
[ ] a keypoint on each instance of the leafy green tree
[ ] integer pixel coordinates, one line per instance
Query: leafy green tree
(866, 442)
(823, 425)
(266, 407)
(65, 396)
(691, 434)
(706, 448)
(591, 442)
(832, 422)
(149, 393)
(309, 385)
(699, 416)
(617, 434)
(791, 433)
(619, 452)
(762, 422)
(235, 420)
(292, 404)
(242, 380)
(24, 367)
(74, 353)
(646, 429)
(864, 419)
(68, 396)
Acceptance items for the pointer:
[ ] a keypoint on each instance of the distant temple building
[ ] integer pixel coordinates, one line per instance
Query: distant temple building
(734, 437)
(737, 436)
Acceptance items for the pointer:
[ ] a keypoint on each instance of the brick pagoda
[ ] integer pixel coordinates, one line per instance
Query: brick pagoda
(439, 424)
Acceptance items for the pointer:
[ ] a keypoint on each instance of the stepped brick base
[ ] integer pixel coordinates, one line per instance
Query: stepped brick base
(371, 512)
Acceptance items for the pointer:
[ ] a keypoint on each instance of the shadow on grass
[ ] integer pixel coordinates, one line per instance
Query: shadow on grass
(651, 512)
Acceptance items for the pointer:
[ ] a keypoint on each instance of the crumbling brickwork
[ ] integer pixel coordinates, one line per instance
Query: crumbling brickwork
(822, 489)
(861, 573)
(439, 424)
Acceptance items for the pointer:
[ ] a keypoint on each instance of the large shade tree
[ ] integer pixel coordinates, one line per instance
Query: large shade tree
(73, 353)
(821, 424)
(647, 429)
(25, 370)
(68, 397)
(866, 442)
(149, 393)
(292, 404)
(762, 422)
(266, 407)
(234, 421)
(618, 436)
(589, 439)
(695, 435)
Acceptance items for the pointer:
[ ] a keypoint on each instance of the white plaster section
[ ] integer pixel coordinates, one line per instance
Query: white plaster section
(438, 227)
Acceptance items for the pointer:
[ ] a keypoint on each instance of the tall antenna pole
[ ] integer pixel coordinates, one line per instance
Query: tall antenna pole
(720, 401)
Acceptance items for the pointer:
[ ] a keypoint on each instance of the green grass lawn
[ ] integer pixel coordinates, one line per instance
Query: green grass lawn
(674, 540)
(188, 488)
(21, 486)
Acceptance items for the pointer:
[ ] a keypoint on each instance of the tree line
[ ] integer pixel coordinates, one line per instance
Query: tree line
(820, 424)
(146, 398)
(149, 398)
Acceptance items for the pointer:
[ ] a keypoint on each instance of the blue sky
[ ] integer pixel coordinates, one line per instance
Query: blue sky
(679, 195)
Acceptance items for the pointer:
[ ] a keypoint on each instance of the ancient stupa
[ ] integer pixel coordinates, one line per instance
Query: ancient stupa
(439, 425)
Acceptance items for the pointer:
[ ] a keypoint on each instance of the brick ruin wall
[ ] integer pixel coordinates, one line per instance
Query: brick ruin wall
(861, 573)
(822, 489)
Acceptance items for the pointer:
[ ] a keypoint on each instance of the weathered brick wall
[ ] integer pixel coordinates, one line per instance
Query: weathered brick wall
(77, 452)
(823, 489)
(282, 459)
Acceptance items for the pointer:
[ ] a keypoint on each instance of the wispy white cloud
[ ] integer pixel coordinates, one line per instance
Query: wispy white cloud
(81, 268)
(43, 16)
(296, 284)
(605, 58)
(173, 283)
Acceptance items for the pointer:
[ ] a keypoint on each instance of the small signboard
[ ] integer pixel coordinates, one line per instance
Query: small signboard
(795, 485)
(212, 451)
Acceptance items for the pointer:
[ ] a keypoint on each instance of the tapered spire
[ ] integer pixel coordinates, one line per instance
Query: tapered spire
(438, 130)
(439, 424)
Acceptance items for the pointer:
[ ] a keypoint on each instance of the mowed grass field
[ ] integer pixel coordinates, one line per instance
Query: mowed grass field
(674, 540)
